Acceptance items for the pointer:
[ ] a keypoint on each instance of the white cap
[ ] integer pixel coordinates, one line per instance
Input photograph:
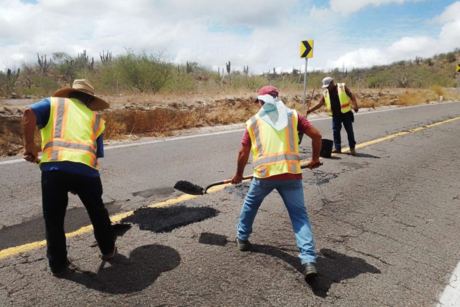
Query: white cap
(327, 81)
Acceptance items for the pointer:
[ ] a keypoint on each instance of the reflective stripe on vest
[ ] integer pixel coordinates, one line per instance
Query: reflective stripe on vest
(343, 98)
(77, 143)
(274, 152)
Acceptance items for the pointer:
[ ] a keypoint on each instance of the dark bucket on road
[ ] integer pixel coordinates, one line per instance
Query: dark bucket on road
(326, 148)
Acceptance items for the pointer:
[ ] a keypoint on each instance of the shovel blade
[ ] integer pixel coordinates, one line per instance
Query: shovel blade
(188, 188)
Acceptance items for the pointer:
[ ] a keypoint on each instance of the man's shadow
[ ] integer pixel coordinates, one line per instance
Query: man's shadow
(333, 267)
(127, 275)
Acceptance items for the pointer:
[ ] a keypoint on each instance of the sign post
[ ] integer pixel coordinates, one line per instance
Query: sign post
(458, 77)
(306, 51)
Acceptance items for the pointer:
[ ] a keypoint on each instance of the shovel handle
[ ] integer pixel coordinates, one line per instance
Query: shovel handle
(246, 177)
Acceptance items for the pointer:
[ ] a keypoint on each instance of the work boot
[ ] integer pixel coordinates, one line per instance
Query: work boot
(337, 151)
(353, 152)
(111, 255)
(243, 245)
(310, 270)
(60, 270)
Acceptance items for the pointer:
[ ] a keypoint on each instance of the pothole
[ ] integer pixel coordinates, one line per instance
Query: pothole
(169, 218)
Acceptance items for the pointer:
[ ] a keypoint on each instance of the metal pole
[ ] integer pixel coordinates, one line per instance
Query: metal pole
(458, 84)
(305, 86)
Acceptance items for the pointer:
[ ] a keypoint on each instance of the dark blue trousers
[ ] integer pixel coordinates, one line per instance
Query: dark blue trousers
(347, 120)
(55, 188)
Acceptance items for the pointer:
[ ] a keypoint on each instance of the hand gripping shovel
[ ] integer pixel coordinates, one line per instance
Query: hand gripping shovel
(193, 189)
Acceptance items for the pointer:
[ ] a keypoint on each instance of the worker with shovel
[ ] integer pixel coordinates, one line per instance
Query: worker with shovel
(71, 144)
(272, 137)
(339, 100)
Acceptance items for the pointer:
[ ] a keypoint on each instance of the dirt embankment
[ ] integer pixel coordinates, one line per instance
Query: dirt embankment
(143, 115)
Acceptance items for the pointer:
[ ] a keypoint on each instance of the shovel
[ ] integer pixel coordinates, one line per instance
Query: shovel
(193, 189)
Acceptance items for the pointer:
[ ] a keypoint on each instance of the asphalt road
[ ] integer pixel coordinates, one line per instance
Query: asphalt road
(386, 224)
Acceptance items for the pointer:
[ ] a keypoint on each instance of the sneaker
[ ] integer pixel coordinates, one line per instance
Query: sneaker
(243, 245)
(111, 255)
(337, 151)
(310, 270)
(353, 152)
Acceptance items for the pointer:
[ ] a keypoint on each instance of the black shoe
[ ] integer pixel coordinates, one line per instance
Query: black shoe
(61, 270)
(243, 245)
(310, 270)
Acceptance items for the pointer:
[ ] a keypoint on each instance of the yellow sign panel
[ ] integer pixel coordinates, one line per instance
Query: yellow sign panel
(458, 67)
(306, 49)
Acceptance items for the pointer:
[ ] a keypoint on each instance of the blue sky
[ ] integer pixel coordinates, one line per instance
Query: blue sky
(261, 34)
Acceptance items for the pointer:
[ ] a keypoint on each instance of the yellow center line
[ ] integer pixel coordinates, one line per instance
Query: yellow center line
(116, 218)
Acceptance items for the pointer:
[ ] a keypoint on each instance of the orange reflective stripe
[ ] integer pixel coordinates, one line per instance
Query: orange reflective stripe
(64, 118)
(61, 148)
(287, 145)
(261, 136)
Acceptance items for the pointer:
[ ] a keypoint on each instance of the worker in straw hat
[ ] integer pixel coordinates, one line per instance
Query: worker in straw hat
(71, 145)
(272, 136)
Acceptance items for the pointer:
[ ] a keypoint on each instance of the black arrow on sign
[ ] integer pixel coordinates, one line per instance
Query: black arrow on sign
(307, 49)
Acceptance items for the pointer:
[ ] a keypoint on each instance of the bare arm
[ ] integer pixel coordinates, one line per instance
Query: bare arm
(355, 103)
(243, 157)
(316, 138)
(29, 122)
(319, 105)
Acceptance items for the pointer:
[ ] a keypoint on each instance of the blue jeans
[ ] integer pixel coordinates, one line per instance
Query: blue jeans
(291, 191)
(347, 120)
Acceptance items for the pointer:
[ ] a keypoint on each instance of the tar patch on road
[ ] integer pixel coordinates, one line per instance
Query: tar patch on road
(212, 239)
(34, 229)
(169, 218)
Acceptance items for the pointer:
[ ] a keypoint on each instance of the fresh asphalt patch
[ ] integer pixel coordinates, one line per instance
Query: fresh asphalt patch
(166, 219)
(34, 229)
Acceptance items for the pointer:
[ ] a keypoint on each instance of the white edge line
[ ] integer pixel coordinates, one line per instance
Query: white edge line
(451, 294)
(231, 131)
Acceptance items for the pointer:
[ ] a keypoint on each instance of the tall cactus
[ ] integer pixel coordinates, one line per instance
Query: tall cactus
(228, 67)
(43, 64)
(11, 79)
(105, 57)
(246, 70)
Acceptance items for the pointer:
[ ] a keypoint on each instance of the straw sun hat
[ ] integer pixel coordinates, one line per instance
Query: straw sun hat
(83, 86)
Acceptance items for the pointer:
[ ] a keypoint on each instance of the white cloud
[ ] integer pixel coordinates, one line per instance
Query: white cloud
(451, 13)
(352, 6)
(264, 35)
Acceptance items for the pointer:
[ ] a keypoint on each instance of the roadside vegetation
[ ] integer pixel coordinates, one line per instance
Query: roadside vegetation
(151, 96)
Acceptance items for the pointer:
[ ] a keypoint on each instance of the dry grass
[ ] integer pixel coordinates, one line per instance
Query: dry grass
(145, 115)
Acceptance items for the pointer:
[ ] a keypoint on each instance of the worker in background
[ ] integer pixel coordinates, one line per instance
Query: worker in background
(71, 145)
(272, 136)
(339, 101)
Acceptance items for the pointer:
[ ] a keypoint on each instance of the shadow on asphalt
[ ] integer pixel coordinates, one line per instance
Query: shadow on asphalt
(333, 267)
(128, 275)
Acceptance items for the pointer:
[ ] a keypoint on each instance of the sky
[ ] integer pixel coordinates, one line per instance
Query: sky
(261, 34)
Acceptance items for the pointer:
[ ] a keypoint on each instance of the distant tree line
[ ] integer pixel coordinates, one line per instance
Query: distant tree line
(152, 73)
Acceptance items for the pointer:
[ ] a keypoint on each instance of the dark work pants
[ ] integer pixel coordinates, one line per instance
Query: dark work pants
(347, 120)
(55, 188)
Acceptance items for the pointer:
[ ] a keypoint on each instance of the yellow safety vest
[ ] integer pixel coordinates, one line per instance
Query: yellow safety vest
(274, 152)
(71, 133)
(343, 97)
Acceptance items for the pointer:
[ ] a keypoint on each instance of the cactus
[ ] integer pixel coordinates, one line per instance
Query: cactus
(11, 79)
(246, 70)
(105, 57)
(43, 63)
(228, 67)
(189, 67)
